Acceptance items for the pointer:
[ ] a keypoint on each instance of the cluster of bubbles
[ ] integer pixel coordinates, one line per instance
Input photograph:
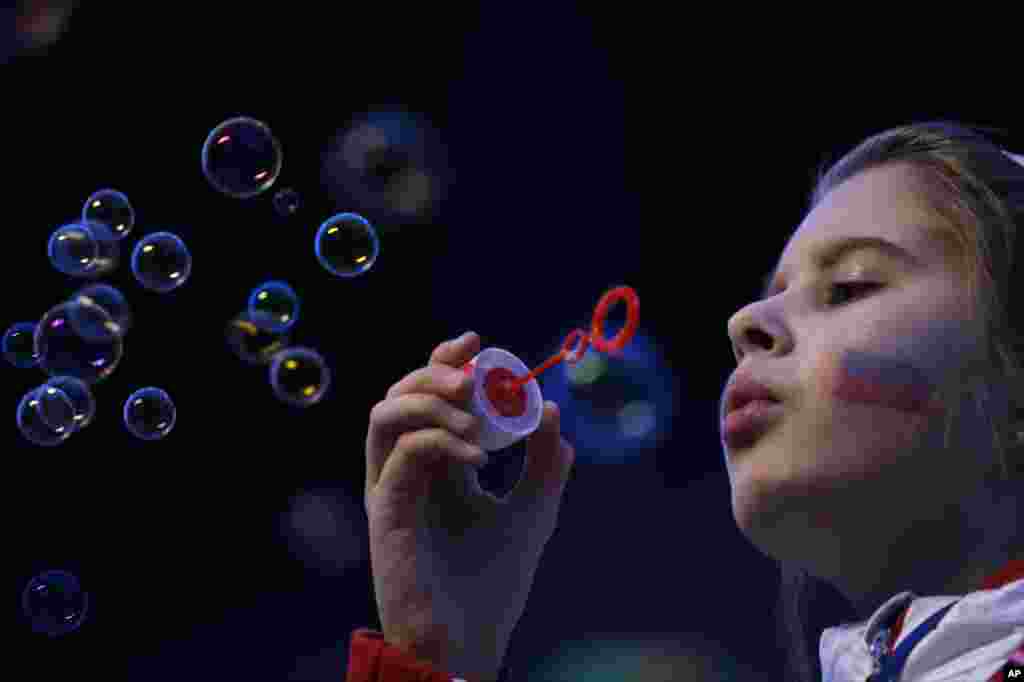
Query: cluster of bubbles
(80, 341)
(90, 247)
(261, 334)
(48, 414)
(242, 159)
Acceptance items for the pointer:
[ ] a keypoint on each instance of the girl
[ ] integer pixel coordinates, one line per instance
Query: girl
(892, 468)
(889, 466)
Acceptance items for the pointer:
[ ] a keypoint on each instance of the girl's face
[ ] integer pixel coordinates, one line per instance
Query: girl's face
(855, 466)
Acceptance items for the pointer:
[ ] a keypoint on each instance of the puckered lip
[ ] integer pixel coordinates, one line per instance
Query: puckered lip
(744, 389)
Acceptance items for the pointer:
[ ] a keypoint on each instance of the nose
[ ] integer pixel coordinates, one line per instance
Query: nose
(748, 336)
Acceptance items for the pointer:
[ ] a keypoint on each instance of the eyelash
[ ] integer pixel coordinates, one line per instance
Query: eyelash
(855, 284)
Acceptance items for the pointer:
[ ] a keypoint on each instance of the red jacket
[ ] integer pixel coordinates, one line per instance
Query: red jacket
(371, 659)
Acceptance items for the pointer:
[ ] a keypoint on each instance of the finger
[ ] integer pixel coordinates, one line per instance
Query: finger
(389, 419)
(549, 460)
(457, 352)
(442, 380)
(414, 461)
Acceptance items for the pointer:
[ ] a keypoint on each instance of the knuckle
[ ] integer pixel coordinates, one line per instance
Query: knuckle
(407, 383)
(378, 413)
(405, 442)
(439, 376)
(424, 405)
(424, 440)
(439, 351)
(439, 439)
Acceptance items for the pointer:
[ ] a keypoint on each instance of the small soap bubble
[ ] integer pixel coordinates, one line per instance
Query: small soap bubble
(55, 408)
(252, 344)
(61, 350)
(112, 301)
(241, 157)
(347, 245)
(82, 400)
(161, 262)
(286, 202)
(31, 424)
(19, 345)
(112, 209)
(149, 413)
(274, 307)
(299, 376)
(73, 249)
(55, 603)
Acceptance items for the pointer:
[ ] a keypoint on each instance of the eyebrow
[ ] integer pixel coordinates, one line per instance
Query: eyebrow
(832, 252)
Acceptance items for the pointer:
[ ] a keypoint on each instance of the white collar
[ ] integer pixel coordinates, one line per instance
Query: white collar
(971, 643)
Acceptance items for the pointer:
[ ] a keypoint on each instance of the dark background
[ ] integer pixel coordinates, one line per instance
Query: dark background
(586, 149)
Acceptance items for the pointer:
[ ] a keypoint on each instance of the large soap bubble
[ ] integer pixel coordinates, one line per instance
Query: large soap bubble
(55, 603)
(112, 209)
(62, 350)
(161, 262)
(29, 417)
(299, 376)
(241, 157)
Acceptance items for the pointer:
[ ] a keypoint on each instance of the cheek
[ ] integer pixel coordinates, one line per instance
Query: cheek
(880, 380)
(873, 412)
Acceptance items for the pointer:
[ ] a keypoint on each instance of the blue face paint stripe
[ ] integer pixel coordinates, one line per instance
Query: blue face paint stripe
(872, 378)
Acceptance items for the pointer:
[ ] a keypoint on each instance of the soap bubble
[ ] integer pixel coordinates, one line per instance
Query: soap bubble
(62, 350)
(286, 202)
(274, 306)
(149, 413)
(625, 399)
(112, 209)
(252, 344)
(31, 424)
(390, 163)
(81, 398)
(73, 249)
(241, 157)
(299, 376)
(112, 301)
(54, 603)
(161, 262)
(346, 245)
(19, 346)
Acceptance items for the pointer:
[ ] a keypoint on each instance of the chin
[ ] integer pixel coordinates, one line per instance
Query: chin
(784, 521)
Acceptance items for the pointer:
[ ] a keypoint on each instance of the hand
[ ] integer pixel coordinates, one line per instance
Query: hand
(452, 563)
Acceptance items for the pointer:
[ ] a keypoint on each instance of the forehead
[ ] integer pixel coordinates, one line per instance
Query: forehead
(885, 202)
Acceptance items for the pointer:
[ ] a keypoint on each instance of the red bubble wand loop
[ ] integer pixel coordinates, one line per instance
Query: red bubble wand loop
(504, 388)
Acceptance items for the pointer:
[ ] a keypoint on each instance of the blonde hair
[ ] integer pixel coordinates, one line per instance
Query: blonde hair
(978, 190)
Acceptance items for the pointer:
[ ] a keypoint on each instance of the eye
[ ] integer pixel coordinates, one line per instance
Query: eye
(854, 286)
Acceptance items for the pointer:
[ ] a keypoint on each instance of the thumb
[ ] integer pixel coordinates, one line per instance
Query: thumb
(549, 459)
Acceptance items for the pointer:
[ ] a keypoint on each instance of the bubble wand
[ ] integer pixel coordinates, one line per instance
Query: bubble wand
(506, 395)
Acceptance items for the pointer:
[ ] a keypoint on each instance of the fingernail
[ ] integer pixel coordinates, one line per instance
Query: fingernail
(464, 337)
(554, 409)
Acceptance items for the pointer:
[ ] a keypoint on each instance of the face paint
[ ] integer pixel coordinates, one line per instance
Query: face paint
(879, 379)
